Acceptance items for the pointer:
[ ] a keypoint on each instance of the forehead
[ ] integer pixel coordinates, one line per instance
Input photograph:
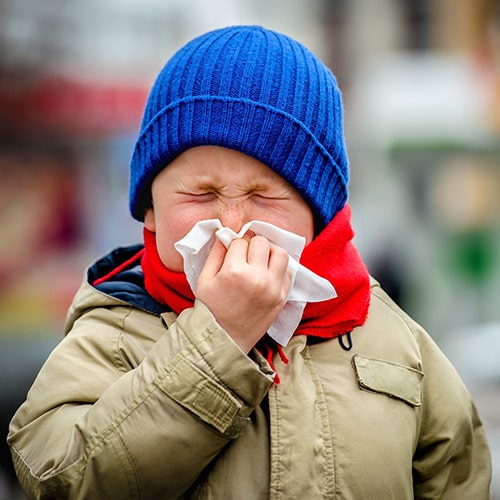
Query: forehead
(218, 164)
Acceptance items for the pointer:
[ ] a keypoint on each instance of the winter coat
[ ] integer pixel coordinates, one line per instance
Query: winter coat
(139, 403)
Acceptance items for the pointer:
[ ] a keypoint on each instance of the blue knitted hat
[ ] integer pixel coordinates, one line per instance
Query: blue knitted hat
(258, 92)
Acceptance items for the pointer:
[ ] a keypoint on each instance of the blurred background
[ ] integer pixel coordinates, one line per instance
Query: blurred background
(421, 83)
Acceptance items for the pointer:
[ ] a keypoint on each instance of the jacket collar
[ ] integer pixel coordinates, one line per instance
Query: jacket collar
(128, 284)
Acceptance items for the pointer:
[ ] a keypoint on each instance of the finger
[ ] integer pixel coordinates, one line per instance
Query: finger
(259, 250)
(236, 252)
(278, 260)
(283, 275)
(214, 261)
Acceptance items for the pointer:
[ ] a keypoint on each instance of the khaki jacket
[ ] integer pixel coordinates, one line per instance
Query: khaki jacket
(136, 405)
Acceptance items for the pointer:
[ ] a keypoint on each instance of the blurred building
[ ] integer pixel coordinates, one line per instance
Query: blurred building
(74, 77)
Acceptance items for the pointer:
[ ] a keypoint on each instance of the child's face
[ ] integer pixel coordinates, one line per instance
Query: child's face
(210, 182)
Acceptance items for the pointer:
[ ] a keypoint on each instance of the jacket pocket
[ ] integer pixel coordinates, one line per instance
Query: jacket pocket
(392, 379)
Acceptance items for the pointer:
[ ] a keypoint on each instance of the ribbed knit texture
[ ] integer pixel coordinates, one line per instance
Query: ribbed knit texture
(258, 92)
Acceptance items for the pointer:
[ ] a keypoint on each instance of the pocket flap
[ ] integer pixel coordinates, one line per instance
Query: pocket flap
(386, 377)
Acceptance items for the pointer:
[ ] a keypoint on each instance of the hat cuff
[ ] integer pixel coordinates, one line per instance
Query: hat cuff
(263, 132)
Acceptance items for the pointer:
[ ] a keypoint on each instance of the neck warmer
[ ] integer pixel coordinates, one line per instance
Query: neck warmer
(331, 255)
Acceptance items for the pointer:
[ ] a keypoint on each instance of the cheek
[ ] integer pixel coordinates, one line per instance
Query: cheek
(306, 227)
(302, 218)
(297, 220)
(168, 255)
(171, 229)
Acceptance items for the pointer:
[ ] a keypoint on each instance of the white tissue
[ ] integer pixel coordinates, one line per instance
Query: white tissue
(306, 286)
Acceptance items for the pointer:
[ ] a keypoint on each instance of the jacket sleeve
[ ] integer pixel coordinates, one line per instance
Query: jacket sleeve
(92, 428)
(452, 460)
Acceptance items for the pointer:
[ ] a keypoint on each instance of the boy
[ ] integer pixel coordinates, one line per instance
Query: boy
(169, 388)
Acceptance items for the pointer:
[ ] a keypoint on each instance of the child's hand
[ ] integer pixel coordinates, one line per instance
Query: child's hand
(245, 287)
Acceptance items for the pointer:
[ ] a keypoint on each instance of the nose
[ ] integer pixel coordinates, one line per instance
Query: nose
(234, 214)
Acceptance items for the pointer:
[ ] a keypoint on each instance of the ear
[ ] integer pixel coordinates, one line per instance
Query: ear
(149, 220)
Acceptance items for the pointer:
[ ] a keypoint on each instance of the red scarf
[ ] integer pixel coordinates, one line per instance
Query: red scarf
(331, 255)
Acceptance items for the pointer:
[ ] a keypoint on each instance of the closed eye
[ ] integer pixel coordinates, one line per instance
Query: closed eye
(198, 196)
(269, 197)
